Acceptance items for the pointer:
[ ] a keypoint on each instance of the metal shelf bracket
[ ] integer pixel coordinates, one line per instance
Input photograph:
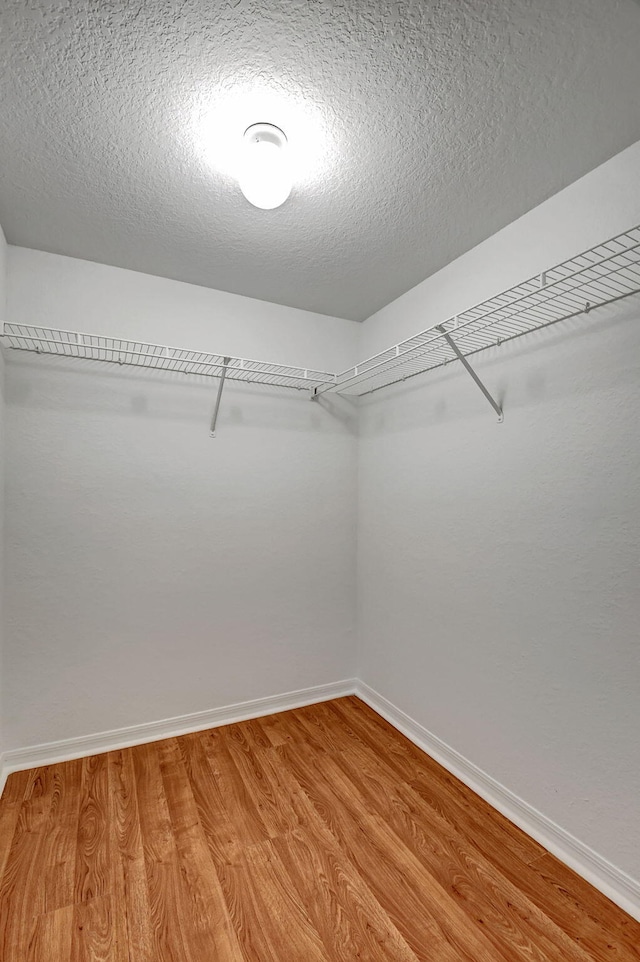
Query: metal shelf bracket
(454, 347)
(225, 365)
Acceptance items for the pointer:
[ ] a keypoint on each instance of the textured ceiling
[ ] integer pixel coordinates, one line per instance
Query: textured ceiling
(420, 127)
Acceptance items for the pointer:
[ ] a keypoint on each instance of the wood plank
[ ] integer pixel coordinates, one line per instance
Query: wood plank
(93, 867)
(276, 727)
(10, 804)
(267, 913)
(22, 880)
(232, 788)
(132, 890)
(60, 843)
(94, 936)
(210, 931)
(350, 921)
(52, 936)
(220, 832)
(248, 734)
(15, 786)
(290, 808)
(168, 912)
(255, 768)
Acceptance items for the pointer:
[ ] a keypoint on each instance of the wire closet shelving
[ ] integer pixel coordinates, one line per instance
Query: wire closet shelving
(599, 276)
(94, 347)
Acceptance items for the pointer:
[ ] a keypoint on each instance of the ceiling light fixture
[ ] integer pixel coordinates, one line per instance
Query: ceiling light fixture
(265, 176)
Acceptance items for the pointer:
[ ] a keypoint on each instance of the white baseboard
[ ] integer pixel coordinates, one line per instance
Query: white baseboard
(602, 874)
(61, 751)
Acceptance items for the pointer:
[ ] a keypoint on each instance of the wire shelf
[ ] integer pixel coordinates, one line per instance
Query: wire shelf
(602, 275)
(599, 276)
(93, 347)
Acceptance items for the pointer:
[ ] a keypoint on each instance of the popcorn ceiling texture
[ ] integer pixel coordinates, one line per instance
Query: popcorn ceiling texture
(431, 125)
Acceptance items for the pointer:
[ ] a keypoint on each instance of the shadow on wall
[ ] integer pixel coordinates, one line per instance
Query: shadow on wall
(542, 366)
(88, 387)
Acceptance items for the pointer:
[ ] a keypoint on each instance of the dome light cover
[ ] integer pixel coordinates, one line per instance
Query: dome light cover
(265, 176)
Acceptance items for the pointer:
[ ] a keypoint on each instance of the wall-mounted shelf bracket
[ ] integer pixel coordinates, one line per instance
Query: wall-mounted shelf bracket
(318, 389)
(225, 365)
(454, 347)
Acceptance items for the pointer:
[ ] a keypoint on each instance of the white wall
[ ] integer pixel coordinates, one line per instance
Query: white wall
(153, 571)
(3, 251)
(498, 564)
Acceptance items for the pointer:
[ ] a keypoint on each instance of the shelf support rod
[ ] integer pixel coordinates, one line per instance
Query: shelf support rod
(225, 363)
(454, 347)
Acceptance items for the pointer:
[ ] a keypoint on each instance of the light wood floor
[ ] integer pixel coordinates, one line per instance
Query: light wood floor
(316, 835)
